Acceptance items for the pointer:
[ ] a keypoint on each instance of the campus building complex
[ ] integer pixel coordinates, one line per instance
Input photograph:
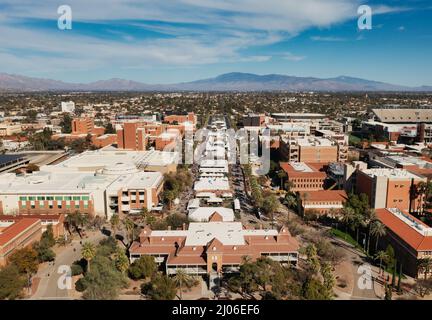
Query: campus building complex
(389, 188)
(214, 247)
(410, 238)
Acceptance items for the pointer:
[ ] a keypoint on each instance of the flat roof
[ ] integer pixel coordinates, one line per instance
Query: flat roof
(391, 173)
(8, 158)
(98, 159)
(204, 213)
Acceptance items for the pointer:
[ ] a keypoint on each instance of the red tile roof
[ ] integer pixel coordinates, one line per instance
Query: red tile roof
(17, 228)
(326, 195)
(414, 239)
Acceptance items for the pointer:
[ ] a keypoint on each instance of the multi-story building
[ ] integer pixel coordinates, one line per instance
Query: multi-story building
(17, 234)
(188, 117)
(117, 188)
(9, 129)
(56, 221)
(410, 238)
(313, 149)
(389, 188)
(401, 123)
(92, 161)
(304, 176)
(68, 106)
(323, 202)
(214, 247)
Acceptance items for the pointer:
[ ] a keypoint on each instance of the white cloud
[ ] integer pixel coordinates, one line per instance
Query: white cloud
(329, 39)
(225, 30)
(292, 57)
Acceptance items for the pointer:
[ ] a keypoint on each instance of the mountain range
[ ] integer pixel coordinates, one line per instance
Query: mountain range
(234, 81)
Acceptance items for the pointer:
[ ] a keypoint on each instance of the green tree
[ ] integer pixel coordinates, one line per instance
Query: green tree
(104, 281)
(115, 223)
(313, 289)
(12, 282)
(66, 123)
(26, 261)
(312, 260)
(121, 261)
(161, 287)
(142, 268)
(328, 279)
(282, 175)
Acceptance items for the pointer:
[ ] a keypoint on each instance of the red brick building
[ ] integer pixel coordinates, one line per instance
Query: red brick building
(304, 176)
(17, 234)
(214, 247)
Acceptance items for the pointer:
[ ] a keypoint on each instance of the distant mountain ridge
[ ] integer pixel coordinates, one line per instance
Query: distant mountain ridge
(234, 81)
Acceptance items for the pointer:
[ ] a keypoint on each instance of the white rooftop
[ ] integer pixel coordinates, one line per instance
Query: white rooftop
(391, 173)
(229, 233)
(300, 166)
(412, 223)
(203, 213)
(213, 184)
(98, 159)
(314, 141)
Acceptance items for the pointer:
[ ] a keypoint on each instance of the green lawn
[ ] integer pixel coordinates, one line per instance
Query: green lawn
(345, 236)
(353, 139)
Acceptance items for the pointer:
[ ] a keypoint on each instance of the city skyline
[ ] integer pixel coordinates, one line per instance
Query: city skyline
(181, 41)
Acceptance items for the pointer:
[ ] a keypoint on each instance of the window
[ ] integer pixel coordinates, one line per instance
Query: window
(59, 198)
(68, 198)
(85, 197)
(77, 205)
(32, 198)
(23, 198)
(50, 198)
(68, 206)
(76, 198)
(41, 198)
(59, 205)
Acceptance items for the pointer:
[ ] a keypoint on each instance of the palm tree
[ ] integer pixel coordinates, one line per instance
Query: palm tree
(88, 252)
(115, 222)
(377, 230)
(348, 216)
(122, 261)
(281, 175)
(76, 220)
(369, 219)
(381, 256)
(182, 279)
(130, 231)
(143, 215)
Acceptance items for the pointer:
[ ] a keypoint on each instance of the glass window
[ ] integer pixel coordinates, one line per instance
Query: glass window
(50, 198)
(59, 198)
(68, 198)
(32, 198)
(41, 198)
(23, 198)
(77, 198)
(85, 197)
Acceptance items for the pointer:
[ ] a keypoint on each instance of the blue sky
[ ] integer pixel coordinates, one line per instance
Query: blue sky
(169, 41)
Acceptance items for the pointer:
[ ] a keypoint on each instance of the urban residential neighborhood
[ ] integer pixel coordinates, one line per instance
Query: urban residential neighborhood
(212, 174)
